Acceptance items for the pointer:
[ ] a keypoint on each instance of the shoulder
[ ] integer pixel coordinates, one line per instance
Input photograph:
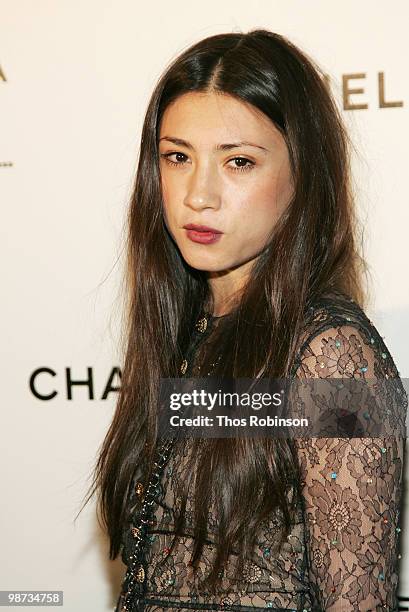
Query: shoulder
(339, 340)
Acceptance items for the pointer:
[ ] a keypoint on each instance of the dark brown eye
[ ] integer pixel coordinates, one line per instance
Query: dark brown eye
(178, 154)
(246, 164)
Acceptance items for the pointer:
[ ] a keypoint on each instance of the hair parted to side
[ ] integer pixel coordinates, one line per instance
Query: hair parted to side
(313, 250)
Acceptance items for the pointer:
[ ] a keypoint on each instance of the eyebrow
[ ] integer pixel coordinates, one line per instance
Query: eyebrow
(219, 147)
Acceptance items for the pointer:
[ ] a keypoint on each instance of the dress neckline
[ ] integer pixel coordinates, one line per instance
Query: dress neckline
(206, 321)
(211, 316)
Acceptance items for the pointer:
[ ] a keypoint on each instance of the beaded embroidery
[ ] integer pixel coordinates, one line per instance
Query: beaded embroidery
(134, 583)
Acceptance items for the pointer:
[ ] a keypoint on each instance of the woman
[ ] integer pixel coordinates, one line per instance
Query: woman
(243, 262)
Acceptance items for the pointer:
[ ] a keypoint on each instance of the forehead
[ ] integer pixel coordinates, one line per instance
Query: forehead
(207, 117)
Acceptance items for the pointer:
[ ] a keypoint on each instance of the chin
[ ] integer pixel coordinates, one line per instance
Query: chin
(203, 263)
(205, 267)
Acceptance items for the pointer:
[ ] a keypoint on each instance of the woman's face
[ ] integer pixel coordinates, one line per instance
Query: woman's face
(223, 165)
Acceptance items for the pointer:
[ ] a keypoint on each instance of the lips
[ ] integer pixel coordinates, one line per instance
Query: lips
(202, 228)
(202, 234)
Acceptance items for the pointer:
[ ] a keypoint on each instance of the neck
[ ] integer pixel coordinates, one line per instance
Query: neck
(226, 288)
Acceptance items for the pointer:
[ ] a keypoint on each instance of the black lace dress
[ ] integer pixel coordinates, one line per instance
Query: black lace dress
(342, 553)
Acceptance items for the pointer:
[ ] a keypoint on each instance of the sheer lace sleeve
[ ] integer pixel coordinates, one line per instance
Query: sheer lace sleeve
(351, 487)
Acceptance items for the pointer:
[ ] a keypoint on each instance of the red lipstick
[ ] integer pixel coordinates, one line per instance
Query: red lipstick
(202, 233)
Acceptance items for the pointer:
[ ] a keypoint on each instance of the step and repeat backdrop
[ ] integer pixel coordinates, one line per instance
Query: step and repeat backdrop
(75, 78)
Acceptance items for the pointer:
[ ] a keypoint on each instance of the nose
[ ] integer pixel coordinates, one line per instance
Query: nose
(203, 191)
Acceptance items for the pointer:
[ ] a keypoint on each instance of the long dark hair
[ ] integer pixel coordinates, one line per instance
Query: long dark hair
(313, 250)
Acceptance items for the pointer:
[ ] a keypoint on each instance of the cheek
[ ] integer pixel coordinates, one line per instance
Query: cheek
(260, 207)
(167, 199)
(257, 214)
(171, 194)
(165, 208)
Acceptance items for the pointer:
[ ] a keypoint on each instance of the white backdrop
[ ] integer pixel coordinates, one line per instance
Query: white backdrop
(75, 77)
